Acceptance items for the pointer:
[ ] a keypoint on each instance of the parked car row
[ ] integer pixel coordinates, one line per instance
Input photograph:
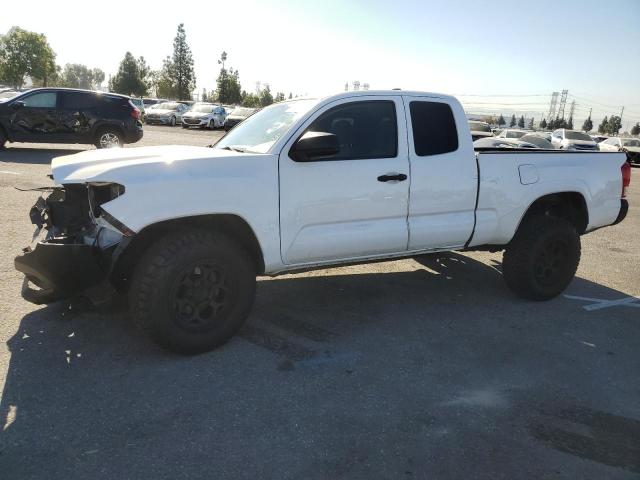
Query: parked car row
(560, 139)
(193, 114)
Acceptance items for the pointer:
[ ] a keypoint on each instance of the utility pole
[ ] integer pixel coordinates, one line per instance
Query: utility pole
(563, 103)
(552, 106)
(571, 110)
(621, 112)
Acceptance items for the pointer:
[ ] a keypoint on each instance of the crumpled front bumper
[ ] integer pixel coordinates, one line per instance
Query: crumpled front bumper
(60, 270)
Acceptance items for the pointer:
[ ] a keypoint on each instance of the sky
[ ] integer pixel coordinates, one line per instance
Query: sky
(505, 57)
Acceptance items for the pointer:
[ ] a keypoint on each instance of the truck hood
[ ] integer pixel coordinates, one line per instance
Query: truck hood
(122, 164)
(632, 149)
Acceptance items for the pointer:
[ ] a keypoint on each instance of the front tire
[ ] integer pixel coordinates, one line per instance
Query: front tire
(192, 291)
(3, 139)
(542, 258)
(172, 122)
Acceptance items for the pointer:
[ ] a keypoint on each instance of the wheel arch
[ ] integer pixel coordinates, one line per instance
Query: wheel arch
(5, 131)
(106, 125)
(570, 205)
(230, 224)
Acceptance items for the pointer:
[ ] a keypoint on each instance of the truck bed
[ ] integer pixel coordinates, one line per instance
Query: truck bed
(511, 180)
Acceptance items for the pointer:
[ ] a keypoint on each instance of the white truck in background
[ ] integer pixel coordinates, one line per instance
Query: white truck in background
(308, 184)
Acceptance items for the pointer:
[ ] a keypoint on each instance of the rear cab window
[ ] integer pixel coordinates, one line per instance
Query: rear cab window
(434, 128)
(79, 100)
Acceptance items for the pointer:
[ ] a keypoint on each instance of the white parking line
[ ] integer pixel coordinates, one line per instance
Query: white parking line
(600, 303)
(9, 173)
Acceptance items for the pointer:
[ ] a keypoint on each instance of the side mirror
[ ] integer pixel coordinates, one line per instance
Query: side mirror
(314, 146)
(17, 104)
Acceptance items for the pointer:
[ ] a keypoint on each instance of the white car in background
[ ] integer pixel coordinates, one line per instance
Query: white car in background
(629, 145)
(564, 139)
(205, 115)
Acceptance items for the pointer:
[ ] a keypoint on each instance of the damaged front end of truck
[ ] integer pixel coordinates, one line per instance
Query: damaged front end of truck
(75, 244)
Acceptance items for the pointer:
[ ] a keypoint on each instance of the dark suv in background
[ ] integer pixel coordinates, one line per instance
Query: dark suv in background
(62, 115)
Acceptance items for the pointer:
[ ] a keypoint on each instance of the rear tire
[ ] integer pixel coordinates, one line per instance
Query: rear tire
(3, 139)
(173, 121)
(108, 137)
(212, 125)
(542, 258)
(192, 291)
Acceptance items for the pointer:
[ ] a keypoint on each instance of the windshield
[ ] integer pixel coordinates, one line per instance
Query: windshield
(630, 142)
(166, 106)
(260, 131)
(514, 134)
(571, 135)
(479, 127)
(203, 108)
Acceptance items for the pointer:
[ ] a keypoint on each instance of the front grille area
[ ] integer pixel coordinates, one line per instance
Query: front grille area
(191, 121)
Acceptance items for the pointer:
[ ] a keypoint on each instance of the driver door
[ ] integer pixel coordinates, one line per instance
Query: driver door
(352, 204)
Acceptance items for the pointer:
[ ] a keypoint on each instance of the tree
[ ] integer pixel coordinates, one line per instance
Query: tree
(129, 80)
(279, 97)
(501, 121)
(164, 83)
(290, 95)
(228, 83)
(266, 98)
(184, 76)
(543, 124)
(146, 74)
(587, 126)
(76, 75)
(602, 128)
(250, 100)
(521, 121)
(512, 123)
(530, 125)
(614, 125)
(24, 53)
(204, 97)
(635, 130)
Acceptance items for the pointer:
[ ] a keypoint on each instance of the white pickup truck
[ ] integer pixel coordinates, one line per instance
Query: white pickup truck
(304, 184)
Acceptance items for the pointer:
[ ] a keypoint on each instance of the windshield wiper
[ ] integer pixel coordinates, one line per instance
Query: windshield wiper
(234, 148)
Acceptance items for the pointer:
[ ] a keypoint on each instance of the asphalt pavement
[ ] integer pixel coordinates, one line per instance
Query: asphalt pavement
(423, 368)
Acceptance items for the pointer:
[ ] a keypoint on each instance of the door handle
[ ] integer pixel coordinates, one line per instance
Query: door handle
(400, 177)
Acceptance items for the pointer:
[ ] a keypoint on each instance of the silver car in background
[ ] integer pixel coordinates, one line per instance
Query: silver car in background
(205, 115)
(168, 113)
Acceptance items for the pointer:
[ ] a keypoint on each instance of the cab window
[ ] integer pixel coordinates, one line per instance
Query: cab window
(365, 130)
(434, 128)
(41, 100)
